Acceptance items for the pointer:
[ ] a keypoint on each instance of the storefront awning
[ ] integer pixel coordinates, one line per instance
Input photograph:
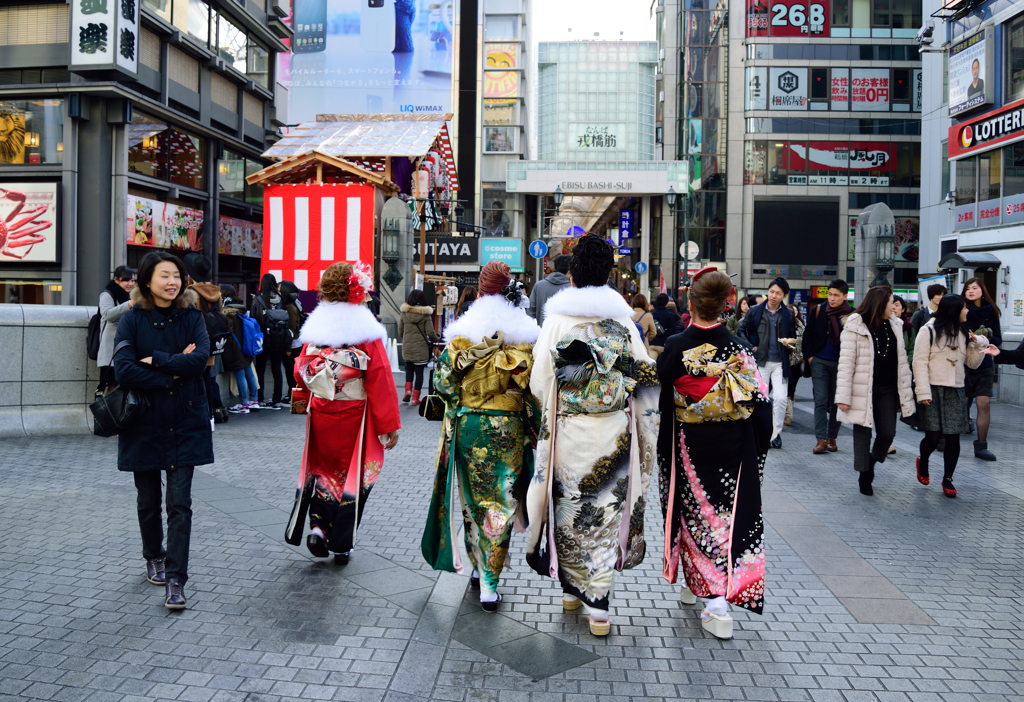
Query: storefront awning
(963, 259)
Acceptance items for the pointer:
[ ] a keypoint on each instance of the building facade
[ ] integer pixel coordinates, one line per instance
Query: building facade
(129, 126)
(794, 117)
(982, 88)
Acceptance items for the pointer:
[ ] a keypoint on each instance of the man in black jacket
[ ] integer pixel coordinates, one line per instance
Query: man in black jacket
(935, 292)
(770, 328)
(821, 349)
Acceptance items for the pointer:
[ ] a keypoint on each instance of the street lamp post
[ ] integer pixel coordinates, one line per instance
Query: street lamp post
(672, 197)
(885, 254)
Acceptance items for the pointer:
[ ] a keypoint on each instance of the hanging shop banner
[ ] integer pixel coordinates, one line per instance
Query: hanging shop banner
(240, 237)
(869, 89)
(508, 251)
(164, 226)
(787, 18)
(28, 223)
(105, 35)
(370, 57)
(839, 91)
(309, 227)
(971, 72)
(788, 88)
(625, 226)
(918, 88)
(756, 96)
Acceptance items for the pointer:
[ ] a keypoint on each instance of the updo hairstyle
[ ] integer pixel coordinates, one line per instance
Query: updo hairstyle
(334, 283)
(708, 294)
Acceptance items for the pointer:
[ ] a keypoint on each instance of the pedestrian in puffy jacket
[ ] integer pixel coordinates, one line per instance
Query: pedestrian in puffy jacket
(556, 281)
(417, 331)
(160, 350)
(205, 297)
(115, 300)
(236, 362)
(268, 298)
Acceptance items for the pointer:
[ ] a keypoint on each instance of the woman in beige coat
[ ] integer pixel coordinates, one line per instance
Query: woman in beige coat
(943, 347)
(873, 380)
(642, 316)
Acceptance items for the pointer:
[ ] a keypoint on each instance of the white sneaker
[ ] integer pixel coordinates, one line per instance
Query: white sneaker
(239, 409)
(253, 407)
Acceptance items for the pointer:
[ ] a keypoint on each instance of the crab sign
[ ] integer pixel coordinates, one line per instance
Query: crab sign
(18, 236)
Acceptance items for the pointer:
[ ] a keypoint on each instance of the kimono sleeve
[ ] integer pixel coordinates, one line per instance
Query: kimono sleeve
(380, 389)
(447, 382)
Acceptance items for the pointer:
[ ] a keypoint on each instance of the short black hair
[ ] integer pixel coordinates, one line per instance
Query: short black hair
(592, 262)
(781, 282)
(936, 289)
(124, 273)
(661, 300)
(561, 263)
(147, 266)
(840, 285)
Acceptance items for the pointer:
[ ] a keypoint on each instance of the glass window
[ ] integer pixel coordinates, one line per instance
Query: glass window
(258, 64)
(160, 7)
(231, 44)
(944, 156)
(1014, 59)
(496, 211)
(990, 176)
(880, 13)
(499, 140)
(231, 176)
(30, 292)
(966, 181)
(819, 84)
(253, 193)
(753, 162)
(31, 131)
(906, 14)
(500, 112)
(775, 171)
(901, 89)
(840, 13)
(198, 22)
(1014, 176)
(160, 151)
(497, 27)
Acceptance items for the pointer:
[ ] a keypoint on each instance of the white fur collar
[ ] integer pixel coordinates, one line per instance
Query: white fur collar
(601, 302)
(493, 313)
(338, 324)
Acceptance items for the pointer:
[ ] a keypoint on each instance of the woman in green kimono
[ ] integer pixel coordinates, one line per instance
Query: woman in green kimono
(483, 376)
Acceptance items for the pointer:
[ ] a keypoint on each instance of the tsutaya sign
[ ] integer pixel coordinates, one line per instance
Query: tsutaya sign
(613, 177)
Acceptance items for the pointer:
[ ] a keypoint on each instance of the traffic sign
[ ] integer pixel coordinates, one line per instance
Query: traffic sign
(694, 249)
(538, 249)
(640, 267)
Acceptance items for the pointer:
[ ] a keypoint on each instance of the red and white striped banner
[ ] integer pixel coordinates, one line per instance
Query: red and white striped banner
(308, 227)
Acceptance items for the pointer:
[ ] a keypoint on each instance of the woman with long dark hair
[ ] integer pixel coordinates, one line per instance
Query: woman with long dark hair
(161, 349)
(467, 298)
(944, 347)
(265, 302)
(742, 307)
(716, 425)
(417, 332)
(982, 319)
(873, 380)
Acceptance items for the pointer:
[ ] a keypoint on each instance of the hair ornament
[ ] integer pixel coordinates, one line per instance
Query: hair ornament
(702, 271)
(360, 282)
(513, 292)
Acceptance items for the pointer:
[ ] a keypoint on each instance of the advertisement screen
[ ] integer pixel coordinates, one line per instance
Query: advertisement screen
(240, 237)
(796, 232)
(968, 73)
(369, 57)
(160, 225)
(28, 223)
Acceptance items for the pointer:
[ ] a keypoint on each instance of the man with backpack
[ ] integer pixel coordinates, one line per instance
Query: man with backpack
(770, 327)
(277, 339)
(205, 296)
(821, 349)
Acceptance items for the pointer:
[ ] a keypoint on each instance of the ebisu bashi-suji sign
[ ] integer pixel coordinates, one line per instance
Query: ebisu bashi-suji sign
(105, 35)
(987, 131)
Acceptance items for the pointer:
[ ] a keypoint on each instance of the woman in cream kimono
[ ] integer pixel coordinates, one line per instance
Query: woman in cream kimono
(345, 382)
(598, 393)
(489, 431)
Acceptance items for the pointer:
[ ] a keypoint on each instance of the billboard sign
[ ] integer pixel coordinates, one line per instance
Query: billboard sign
(971, 72)
(105, 35)
(370, 57)
(28, 223)
(240, 237)
(788, 88)
(156, 224)
(508, 251)
(787, 18)
(869, 89)
(756, 96)
(625, 225)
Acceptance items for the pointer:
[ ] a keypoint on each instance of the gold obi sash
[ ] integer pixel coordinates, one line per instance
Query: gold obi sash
(493, 376)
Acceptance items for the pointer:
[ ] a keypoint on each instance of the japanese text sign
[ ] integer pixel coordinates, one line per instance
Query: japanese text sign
(105, 34)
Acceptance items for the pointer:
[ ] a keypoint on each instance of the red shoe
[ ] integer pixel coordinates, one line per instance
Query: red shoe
(923, 479)
(415, 397)
(408, 392)
(947, 488)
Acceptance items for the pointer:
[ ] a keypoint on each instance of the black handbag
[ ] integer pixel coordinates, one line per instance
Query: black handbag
(432, 406)
(117, 411)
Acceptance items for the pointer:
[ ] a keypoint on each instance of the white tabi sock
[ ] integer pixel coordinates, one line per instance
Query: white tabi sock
(318, 531)
(488, 597)
(718, 606)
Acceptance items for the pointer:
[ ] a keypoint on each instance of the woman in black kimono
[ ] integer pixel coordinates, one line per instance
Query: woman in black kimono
(716, 425)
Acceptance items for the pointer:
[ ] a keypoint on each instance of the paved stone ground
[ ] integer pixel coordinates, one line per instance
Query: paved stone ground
(903, 596)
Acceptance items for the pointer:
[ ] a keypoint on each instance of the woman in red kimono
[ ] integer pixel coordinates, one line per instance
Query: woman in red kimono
(344, 378)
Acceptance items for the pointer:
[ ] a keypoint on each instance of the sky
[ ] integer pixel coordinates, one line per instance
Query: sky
(552, 19)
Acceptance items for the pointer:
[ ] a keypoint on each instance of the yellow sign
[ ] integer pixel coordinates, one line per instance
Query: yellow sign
(501, 83)
(819, 291)
(12, 137)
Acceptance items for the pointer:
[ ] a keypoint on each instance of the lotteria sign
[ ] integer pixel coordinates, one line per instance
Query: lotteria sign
(987, 131)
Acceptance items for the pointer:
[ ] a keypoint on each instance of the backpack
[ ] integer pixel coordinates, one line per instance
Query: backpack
(219, 329)
(640, 327)
(279, 333)
(252, 337)
(92, 336)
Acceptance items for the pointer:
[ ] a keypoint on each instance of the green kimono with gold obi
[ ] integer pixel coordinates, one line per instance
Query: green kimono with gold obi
(490, 425)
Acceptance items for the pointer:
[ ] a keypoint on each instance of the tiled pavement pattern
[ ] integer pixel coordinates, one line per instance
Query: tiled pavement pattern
(904, 596)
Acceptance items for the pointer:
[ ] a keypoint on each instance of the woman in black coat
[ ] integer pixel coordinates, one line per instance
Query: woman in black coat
(161, 349)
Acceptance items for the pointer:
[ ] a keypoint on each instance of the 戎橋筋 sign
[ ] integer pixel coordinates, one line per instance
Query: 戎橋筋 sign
(105, 35)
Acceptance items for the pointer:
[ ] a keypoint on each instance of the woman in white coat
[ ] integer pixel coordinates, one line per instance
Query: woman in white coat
(873, 380)
(115, 300)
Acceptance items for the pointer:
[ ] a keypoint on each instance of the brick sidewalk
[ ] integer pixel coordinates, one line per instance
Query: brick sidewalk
(903, 596)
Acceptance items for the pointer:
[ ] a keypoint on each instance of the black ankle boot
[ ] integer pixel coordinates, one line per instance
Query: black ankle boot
(981, 451)
(865, 480)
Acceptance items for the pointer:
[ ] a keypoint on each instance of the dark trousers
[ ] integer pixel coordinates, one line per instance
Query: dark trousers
(950, 453)
(179, 518)
(107, 379)
(885, 403)
(289, 367)
(794, 378)
(276, 359)
(823, 382)
(414, 374)
(213, 400)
